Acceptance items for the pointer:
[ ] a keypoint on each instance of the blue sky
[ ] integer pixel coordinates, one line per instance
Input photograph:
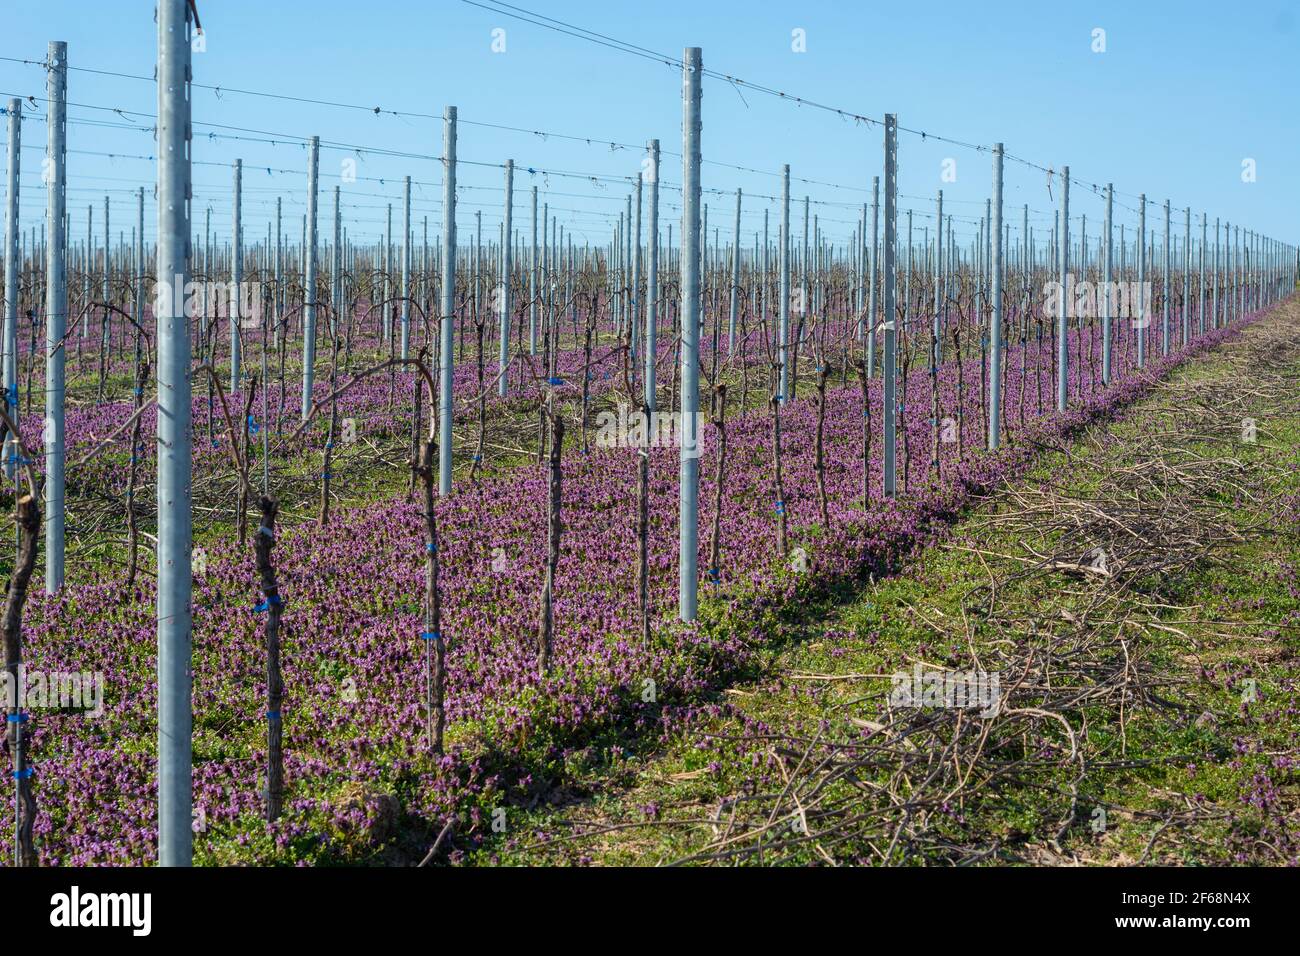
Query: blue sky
(1183, 93)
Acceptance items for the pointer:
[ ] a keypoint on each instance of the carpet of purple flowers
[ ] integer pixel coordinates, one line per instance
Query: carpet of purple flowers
(358, 772)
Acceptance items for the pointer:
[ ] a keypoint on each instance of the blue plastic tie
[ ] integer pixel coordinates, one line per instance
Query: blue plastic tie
(16, 718)
(431, 635)
(272, 715)
(23, 774)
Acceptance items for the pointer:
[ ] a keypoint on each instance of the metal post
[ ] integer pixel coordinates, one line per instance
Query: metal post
(279, 276)
(860, 263)
(405, 314)
(1214, 307)
(89, 260)
(388, 272)
(889, 279)
(207, 282)
(614, 275)
(937, 351)
(1108, 263)
(1200, 275)
(871, 288)
(783, 301)
(107, 287)
(175, 513)
(907, 280)
(1187, 274)
(652, 278)
(544, 277)
(138, 278)
(1164, 312)
(1238, 275)
(804, 300)
(532, 285)
(688, 531)
(309, 281)
(1229, 275)
(704, 259)
(56, 311)
(635, 296)
(507, 247)
(12, 279)
(625, 282)
(1142, 297)
(995, 322)
(1062, 323)
(735, 282)
(449, 294)
(765, 298)
(236, 275)
(336, 267)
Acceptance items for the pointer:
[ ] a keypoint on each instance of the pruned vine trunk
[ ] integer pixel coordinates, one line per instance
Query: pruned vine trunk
(719, 474)
(132, 529)
(778, 488)
(29, 526)
(819, 454)
(546, 623)
(864, 381)
(435, 659)
(262, 545)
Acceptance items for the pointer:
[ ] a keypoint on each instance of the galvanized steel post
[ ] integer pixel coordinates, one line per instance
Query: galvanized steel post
(688, 481)
(175, 512)
(448, 295)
